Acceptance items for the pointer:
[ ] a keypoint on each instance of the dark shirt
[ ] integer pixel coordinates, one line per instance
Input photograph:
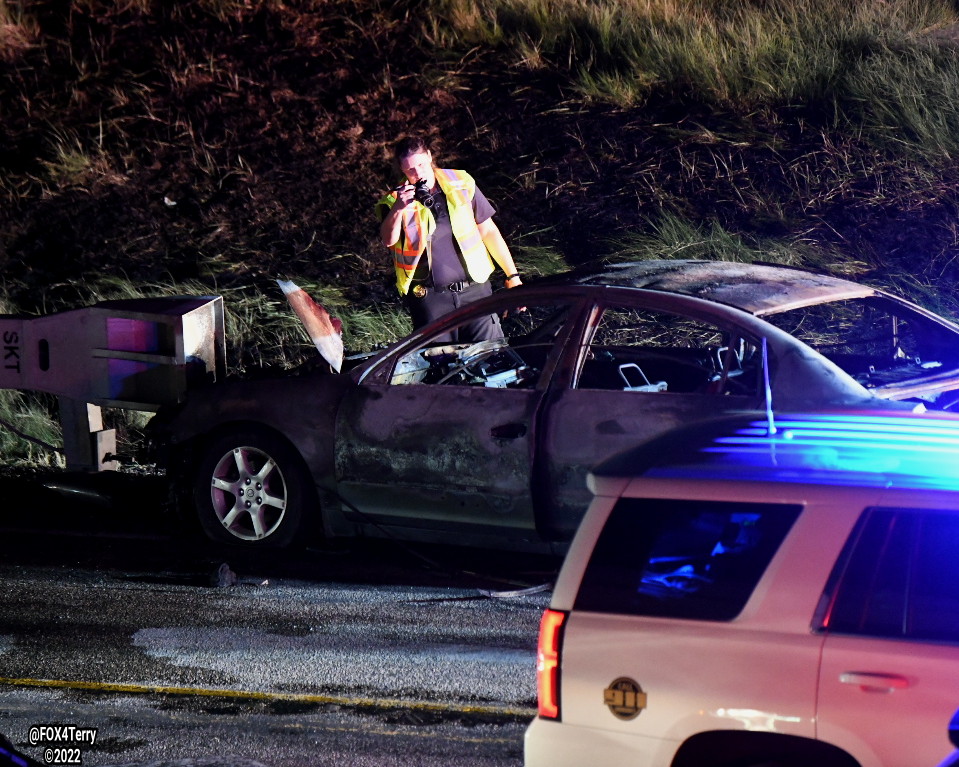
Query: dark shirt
(447, 259)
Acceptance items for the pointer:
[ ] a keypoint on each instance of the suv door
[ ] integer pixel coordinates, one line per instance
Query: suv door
(890, 667)
(653, 645)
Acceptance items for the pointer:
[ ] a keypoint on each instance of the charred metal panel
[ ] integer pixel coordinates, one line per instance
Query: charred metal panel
(455, 453)
(754, 288)
(302, 408)
(588, 426)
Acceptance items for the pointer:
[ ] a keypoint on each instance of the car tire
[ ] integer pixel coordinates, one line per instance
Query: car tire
(251, 488)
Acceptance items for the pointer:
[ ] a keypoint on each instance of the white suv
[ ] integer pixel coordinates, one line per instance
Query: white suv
(745, 595)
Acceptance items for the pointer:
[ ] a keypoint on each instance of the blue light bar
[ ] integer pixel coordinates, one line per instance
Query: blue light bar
(835, 448)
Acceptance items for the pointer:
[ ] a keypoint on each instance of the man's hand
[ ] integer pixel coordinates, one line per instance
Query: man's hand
(404, 196)
(392, 223)
(513, 281)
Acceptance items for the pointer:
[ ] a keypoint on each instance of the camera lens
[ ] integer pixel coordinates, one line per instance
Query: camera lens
(421, 193)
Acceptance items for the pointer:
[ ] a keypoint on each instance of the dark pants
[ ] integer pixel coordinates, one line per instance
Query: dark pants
(436, 303)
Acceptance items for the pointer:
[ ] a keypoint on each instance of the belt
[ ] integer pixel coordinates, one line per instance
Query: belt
(458, 287)
(420, 291)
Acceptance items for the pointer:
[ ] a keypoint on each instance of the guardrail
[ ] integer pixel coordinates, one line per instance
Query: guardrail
(136, 354)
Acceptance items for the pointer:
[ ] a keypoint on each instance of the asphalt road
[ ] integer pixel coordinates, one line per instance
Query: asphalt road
(373, 654)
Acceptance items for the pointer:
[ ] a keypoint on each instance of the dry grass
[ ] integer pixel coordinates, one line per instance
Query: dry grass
(218, 145)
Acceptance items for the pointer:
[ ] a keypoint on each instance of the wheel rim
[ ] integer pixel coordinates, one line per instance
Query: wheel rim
(249, 493)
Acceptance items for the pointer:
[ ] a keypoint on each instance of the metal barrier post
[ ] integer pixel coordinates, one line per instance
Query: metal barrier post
(86, 444)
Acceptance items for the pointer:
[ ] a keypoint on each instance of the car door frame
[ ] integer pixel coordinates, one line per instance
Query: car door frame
(374, 382)
(557, 521)
(899, 680)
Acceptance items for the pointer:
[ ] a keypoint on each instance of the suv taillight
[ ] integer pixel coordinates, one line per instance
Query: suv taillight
(547, 664)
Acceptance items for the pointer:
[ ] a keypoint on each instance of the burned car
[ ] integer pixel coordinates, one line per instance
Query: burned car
(490, 443)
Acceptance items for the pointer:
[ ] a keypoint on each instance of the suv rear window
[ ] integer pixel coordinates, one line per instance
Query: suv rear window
(898, 577)
(682, 559)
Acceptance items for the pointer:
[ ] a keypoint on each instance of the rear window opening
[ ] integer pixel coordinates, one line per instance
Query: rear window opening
(682, 559)
(877, 341)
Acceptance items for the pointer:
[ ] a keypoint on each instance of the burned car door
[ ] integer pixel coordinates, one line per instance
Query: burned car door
(640, 371)
(441, 437)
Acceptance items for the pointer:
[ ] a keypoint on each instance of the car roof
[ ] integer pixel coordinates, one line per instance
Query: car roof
(754, 288)
(864, 448)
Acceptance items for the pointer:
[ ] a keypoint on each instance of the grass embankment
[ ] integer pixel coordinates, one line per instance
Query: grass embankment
(215, 145)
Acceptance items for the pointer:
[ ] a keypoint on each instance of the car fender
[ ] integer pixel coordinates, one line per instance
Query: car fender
(301, 408)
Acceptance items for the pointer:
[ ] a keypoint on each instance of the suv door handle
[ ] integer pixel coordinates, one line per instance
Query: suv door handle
(870, 681)
(508, 431)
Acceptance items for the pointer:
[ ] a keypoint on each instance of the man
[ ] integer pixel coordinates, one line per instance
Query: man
(440, 228)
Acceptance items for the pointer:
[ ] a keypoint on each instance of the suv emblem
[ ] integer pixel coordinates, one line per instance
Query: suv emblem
(624, 698)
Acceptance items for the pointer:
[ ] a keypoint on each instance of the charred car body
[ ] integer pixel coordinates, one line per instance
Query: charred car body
(490, 443)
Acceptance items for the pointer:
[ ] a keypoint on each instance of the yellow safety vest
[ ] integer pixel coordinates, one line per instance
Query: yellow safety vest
(419, 225)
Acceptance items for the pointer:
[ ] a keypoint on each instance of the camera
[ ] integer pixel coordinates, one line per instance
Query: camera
(421, 194)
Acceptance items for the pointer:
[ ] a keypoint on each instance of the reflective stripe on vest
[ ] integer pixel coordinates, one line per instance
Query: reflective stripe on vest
(412, 242)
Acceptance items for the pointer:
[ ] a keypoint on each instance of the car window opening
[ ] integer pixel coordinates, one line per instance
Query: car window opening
(643, 350)
(515, 361)
(877, 342)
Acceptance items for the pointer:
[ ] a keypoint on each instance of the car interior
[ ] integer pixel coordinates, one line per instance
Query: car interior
(514, 361)
(645, 351)
(874, 340)
(631, 349)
